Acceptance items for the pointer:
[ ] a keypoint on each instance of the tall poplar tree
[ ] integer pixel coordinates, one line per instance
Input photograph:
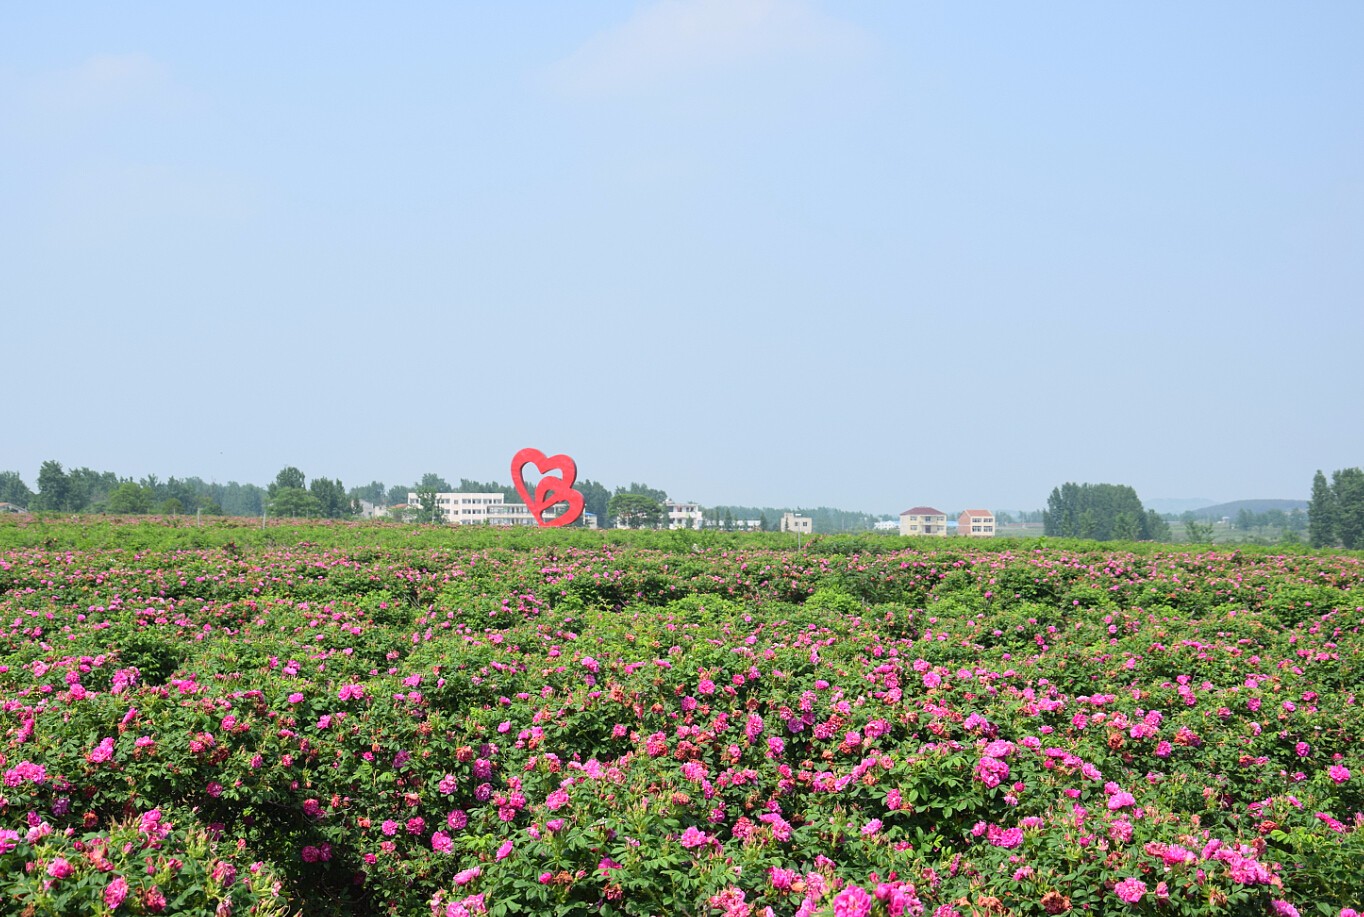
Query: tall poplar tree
(1321, 529)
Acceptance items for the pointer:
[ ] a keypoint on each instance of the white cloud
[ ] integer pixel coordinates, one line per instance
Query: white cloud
(103, 83)
(102, 91)
(677, 41)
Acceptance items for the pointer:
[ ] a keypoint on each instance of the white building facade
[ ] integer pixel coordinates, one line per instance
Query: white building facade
(682, 515)
(478, 509)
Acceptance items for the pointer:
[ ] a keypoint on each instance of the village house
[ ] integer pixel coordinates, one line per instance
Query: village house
(976, 523)
(924, 520)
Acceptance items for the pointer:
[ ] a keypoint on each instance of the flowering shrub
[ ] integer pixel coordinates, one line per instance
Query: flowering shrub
(143, 865)
(460, 723)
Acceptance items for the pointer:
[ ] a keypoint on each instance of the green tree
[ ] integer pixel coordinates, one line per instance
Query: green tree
(14, 490)
(89, 489)
(53, 487)
(1098, 511)
(294, 502)
(288, 477)
(397, 495)
(1126, 527)
(1156, 528)
(596, 500)
(435, 483)
(1198, 532)
(130, 498)
(1321, 517)
(373, 492)
(644, 490)
(243, 499)
(1347, 491)
(636, 511)
(429, 505)
(331, 498)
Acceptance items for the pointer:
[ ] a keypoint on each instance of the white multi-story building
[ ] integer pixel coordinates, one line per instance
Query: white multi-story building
(682, 515)
(478, 509)
(795, 522)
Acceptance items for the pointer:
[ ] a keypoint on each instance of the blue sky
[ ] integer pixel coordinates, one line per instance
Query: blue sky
(868, 255)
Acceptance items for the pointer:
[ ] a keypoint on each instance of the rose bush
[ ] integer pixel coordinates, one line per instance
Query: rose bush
(395, 720)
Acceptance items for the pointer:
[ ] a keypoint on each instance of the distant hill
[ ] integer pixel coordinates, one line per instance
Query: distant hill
(1254, 506)
(1176, 504)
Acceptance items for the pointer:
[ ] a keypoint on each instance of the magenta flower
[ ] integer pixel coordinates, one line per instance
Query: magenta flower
(441, 842)
(1008, 838)
(154, 900)
(1130, 890)
(464, 877)
(1338, 772)
(694, 837)
(115, 892)
(853, 901)
(101, 752)
(60, 869)
(1120, 800)
(991, 771)
(351, 692)
(505, 850)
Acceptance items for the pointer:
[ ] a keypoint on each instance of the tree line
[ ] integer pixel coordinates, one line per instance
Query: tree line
(1101, 512)
(293, 494)
(1335, 514)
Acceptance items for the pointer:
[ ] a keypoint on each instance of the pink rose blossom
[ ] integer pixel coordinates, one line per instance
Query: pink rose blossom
(1130, 890)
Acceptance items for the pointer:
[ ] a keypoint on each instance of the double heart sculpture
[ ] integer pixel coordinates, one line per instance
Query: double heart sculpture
(549, 490)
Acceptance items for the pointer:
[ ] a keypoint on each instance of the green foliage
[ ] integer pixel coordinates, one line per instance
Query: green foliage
(294, 502)
(1197, 532)
(612, 719)
(137, 866)
(288, 477)
(1321, 524)
(331, 498)
(429, 510)
(1100, 512)
(54, 488)
(1336, 511)
(13, 490)
(434, 482)
(636, 510)
(129, 497)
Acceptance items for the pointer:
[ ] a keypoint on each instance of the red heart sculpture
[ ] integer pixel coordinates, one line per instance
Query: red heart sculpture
(549, 490)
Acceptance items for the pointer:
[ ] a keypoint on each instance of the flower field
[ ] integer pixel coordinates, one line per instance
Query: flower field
(368, 719)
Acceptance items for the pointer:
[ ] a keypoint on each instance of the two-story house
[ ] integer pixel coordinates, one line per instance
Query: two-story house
(976, 523)
(924, 520)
